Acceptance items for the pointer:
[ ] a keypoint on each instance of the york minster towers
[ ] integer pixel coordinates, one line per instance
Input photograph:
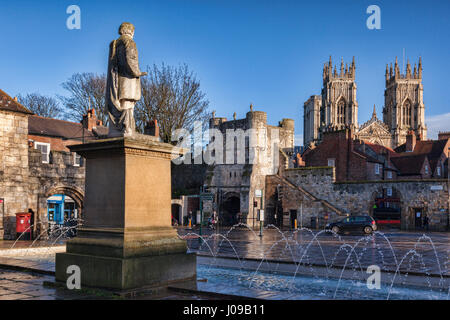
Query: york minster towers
(337, 107)
(404, 109)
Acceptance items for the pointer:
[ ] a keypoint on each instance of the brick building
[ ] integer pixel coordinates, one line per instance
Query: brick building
(359, 160)
(346, 175)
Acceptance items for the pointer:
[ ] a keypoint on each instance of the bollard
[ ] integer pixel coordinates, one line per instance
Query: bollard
(295, 224)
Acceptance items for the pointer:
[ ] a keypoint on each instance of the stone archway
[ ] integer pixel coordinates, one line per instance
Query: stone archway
(76, 194)
(386, 207)
(73, 192)
(177, 210)
(230, 208)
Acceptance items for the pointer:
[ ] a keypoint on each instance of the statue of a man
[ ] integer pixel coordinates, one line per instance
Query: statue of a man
(123, 85)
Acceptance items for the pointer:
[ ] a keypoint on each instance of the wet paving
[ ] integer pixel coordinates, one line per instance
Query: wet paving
(392, 250)
(19, 285)
(406, 252)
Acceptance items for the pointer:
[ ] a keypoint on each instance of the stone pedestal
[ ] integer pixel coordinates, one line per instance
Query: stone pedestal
(127, 241)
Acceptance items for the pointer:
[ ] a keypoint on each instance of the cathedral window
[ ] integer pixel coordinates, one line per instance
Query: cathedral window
(406, 116)
(341, 112)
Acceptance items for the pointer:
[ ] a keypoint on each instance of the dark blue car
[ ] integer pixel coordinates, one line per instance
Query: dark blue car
(365, 224)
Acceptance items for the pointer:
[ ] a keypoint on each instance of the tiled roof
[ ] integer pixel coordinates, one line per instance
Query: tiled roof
(432, 148)
(57, 128)
(379, 149)
(100, 131)
(409, 164)
(9, 104)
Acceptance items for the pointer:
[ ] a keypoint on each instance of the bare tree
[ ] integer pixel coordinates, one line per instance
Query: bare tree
(87, 91)
(41, 105)
(172, 96)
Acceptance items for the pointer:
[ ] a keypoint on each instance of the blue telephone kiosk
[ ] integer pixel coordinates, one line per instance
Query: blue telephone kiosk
(55, 208)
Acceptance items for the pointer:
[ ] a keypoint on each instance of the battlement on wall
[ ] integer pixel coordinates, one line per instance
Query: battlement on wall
(315, 175)
(253, 119)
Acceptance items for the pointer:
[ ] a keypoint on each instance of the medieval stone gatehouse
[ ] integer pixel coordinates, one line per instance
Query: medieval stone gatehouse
(239, 186)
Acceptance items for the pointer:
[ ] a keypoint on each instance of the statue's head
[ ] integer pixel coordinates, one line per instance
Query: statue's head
(126, 28)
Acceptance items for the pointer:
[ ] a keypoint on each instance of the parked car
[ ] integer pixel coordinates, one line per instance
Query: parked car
(365, 224)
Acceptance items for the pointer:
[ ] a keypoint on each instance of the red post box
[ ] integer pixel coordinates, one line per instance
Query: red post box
(23, 223)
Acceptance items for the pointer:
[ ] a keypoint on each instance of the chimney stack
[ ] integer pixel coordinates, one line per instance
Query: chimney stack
(152, 128)
(410, 141)
(90, 120)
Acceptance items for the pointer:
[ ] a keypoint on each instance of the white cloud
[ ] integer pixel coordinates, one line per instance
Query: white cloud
(436, 124)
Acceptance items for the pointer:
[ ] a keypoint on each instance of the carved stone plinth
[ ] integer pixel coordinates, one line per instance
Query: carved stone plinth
(127, 241)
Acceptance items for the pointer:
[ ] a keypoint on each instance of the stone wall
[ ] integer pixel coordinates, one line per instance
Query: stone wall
(286, 203)
(13, 168)
(243, 180)
(59, 176)
(26, 182)
(187, 178)
(357, 197)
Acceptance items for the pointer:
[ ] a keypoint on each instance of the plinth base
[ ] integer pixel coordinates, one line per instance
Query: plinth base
(130, 273)
(127, 241)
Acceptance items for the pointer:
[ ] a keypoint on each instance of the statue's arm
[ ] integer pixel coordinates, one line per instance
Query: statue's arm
(132, 59)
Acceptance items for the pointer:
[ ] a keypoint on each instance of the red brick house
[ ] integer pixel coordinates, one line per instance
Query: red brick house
(47, 134)
(353, 159)
(358, 160)
(423, 159)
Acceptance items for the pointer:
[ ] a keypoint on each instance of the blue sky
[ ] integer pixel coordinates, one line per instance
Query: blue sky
(270, 53)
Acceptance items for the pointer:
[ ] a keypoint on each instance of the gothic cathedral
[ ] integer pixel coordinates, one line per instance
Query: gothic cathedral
(337, 107)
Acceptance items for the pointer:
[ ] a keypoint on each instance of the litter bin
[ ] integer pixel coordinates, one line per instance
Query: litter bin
(23, 223)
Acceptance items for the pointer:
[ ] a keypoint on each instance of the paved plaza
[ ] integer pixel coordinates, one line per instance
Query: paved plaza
(414, 252)
(423, 257)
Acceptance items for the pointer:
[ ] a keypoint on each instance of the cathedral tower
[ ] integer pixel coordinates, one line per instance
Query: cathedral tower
(339, 106)
(404, 109)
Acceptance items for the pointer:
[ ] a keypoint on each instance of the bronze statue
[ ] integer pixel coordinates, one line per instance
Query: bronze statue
(123, 85)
